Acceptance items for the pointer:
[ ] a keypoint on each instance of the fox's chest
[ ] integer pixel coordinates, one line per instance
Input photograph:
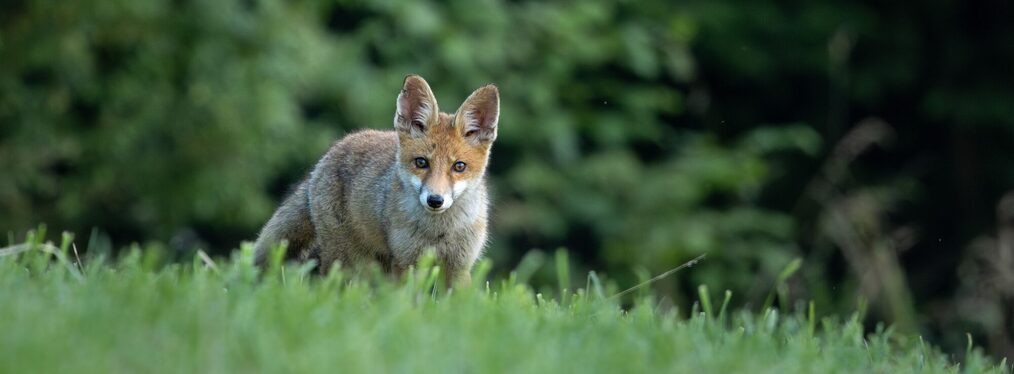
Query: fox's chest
(447, 239)
(420, 237)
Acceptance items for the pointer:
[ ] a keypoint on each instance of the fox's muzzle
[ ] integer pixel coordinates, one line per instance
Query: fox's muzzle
(435, 201)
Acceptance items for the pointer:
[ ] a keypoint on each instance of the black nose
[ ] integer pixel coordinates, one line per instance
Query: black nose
(435, 201)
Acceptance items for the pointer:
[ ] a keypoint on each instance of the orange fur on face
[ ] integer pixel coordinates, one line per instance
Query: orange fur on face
(442, 145)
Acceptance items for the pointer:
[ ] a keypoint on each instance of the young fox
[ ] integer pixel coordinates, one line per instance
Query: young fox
(387, 196)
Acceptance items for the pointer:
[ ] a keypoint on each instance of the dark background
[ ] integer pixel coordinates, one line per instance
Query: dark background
(872, 140)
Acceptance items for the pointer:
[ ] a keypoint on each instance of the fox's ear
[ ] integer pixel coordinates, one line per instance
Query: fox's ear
(417, 107)
(478, 116)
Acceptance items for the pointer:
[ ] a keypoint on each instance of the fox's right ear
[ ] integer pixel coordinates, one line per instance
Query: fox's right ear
(417, 107)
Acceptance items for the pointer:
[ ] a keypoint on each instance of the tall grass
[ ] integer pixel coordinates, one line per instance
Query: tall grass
(138, 313)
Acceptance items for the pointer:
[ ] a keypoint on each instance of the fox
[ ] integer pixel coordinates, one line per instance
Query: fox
(386, 197)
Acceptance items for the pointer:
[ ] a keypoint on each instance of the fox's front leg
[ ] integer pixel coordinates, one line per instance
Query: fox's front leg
(457, 278)
(460, 279)
(458, 269)
(460, 255)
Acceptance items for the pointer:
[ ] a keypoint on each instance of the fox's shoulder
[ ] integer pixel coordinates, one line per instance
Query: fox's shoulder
(367, 141)
(368, 138)
(361, 151)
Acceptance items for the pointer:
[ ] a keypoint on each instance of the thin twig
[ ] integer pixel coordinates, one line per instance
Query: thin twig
(663, 275)
(207, 260)
(74, 245)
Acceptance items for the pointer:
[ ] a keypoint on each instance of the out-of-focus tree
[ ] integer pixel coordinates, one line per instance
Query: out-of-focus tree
(189, 119)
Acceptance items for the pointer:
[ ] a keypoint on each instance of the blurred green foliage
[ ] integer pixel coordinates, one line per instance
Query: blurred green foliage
(638, 134)
(151, 118)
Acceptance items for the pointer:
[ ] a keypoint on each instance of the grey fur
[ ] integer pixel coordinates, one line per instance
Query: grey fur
(360, 210)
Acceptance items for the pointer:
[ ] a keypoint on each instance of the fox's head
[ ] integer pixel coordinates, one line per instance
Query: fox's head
(441, 156)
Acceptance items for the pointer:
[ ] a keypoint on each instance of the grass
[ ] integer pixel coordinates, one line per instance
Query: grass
(138, 314)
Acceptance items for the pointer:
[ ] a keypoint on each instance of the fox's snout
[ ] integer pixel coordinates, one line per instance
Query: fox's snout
(438, 197)
(435, 201)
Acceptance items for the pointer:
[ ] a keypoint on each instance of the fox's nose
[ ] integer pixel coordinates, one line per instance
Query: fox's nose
(435, 201)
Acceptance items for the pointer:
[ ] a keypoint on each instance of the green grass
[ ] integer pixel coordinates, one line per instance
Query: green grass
(137, 314)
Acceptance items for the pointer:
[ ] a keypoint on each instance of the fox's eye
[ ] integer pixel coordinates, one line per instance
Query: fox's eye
(421, 163)
(459, 166)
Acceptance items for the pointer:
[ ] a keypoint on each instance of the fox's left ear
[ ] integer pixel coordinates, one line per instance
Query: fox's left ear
(478, 116)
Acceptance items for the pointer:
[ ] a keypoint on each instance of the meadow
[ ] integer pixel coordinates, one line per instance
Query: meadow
(141, 312)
